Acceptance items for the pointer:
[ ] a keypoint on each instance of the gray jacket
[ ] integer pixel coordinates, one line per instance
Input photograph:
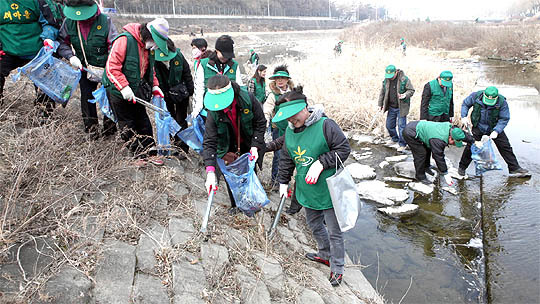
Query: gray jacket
(405, 103)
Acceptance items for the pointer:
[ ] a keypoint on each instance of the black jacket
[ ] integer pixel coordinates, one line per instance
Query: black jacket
(424, 105)
(337, 143)
(186, 78)
(256, 140)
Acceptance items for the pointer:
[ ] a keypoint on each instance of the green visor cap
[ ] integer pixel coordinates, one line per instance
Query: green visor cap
(446, 78)
(491, 94)
(160, 56)
(160, 41)
(390, 71)
(289, 109)
(219, 99)
(80, 13)
(280, 74)
(458, 136)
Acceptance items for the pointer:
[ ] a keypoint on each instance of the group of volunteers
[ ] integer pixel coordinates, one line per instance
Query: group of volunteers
(435, 130)
(142, 62)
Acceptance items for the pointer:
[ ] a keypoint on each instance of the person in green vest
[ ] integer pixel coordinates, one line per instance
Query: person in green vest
(395, 97)
(219, 62)
(426, 138)
(199, 50)
(129, 72)
(438, 99)
(23, 31)
(280, 83)
(234, 116)
(175, 81)
(490, 115)
(257, 84)
(56, 16)
(253, 58)
(90, 33)
(312, 142)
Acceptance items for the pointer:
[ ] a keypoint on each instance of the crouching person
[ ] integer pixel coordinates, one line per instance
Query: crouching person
(235, 125)
(129, 72)
(311, 144)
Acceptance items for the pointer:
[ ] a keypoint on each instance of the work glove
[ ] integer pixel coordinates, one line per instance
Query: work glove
(451, 119)
(48, 43)
(466, 122)
(493, 135)
(76, 62)
(127, 94)
(283, 190)
(402, 96)
(211, 183)
(156, 91)
(313, 173)
(254, 154)
(448, 179)
(2, 53)
(479, 144)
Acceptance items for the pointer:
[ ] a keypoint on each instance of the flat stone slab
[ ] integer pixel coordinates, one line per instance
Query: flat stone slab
(235, 240)
(405, 169)
(145, 253)
(181, 230)
(359, 171)
(189, 280)
(451, 190)
(379, 192)
(148, 289)
(114, 275)
(383, 164)
(68, 286)
(397, 158)
(187, 298)
(395, 179)
(421, 188)
(308, 296)
(359, 285)
(214, 257)
(454, 174)
(160, 201)
(251, 289)
(399, 211)
(362, 139)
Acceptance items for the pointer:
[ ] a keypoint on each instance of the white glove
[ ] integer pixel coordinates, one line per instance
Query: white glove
(156, 91)
(211, 182)
(479, 144)
(313, 173)
(48, 43)
(283, 188)
(254, 154)
(127, 93)
(493, 135)
(466, 122)
(75, 62)
(448, 179)
(402, 96)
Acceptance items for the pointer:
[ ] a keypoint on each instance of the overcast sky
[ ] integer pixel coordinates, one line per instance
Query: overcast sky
(436, 9)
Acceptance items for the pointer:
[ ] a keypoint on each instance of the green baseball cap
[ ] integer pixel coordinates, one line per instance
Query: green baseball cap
(219, 99)
(280, 74)
(491, 95)
(390, 71)
(159, 29)
(446, 78)
(289, 109)
(458, 136)
(80, 13)
(160, 56)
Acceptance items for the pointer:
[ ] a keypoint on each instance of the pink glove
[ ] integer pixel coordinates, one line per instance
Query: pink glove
(156, 91)
(254, 153)
(48, 43)
(2, 53)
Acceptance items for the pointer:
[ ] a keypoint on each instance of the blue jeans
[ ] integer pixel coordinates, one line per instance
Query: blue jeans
(275, 160)
(393, 115)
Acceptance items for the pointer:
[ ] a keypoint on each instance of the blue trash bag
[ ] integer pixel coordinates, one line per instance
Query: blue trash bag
(245, 186)
(54, 77)
(193, 135)
(166, 127)
(484, 158)
(100, 96)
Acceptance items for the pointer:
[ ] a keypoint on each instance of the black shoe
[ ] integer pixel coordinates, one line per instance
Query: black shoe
(233, 210)
(461, 172)
(520, 172)
(425, 181)
(292, 211)
(317, 258)
(430, 172)
(335, 279)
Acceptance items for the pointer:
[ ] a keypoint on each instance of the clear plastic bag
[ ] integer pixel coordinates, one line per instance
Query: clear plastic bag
(100, 97)
(245, 186)
(54, 77)
(166, 126)
(193, 135)
(484, 158)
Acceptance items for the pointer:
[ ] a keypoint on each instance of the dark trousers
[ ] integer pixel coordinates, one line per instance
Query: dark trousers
(89, 110)
(134, 125)
(421, 153)
(503, 145)
(440, 118)
(275, 159)
(178, 111)
(9, 63)
(325, 229)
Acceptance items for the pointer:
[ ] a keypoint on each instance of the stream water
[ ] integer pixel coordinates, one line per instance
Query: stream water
(428, 258)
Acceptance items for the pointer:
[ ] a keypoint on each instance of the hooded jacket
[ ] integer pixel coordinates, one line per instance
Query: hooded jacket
(404, 87)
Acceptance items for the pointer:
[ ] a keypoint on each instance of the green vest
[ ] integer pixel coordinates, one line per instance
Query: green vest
(176, 67)
(281, 125)
(245, 110)
(260, 90)
(304, 148)
(20, 27)
(96, 47)
(56, 10)
(131, 68)
(492, 110)
(439, 103)
(210, 71)
(253, 58)
(402, 88)
(426, 130)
